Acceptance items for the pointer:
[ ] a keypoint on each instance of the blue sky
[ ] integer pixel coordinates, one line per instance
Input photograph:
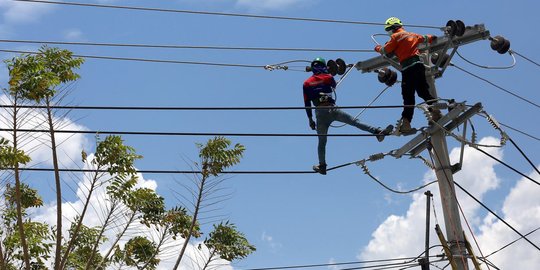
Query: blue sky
(305, 218)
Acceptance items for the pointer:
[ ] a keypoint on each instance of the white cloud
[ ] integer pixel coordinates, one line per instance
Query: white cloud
(403, 235)
(261, 5)
(270, 241)
(37, 144)
(20, 12)
(73, 35)
(521, 209)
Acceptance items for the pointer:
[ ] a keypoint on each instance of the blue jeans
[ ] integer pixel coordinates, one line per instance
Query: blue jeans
(325, 117)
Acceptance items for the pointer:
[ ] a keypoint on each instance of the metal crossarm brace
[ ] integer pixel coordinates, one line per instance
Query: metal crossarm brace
(472, 34)
(451, 126)
(419, 143)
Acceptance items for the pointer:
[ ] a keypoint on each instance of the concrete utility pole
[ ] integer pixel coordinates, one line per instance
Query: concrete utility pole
(434, 138)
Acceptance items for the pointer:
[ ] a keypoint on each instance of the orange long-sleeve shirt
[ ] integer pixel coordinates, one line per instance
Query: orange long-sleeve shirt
(404, 44)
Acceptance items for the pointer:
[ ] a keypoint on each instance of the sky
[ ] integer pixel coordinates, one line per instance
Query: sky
(297, 219)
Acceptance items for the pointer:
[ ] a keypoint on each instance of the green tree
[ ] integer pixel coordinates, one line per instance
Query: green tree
(38, 235)
(215, 156)
(36, 78)
(116, 159)
(227, 243)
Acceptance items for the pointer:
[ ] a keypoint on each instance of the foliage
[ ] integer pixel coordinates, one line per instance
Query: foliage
(178, 221)
(215, 157)
(228, 242)
(38, 235)
(35, 77)
(117, 157)
(9, 156)
(137, 252)
(148, 203)
(83, 251)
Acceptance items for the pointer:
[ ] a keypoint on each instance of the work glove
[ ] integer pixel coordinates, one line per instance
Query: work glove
(312, 124)
(378, 48)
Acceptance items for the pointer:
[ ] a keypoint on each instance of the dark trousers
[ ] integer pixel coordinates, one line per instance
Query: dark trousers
(414, 79)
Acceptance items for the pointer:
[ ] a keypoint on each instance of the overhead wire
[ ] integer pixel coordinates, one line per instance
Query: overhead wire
(178, 171)
(497, 86)
(331, 264)
(169, 46)
(148, 60)
(175, 108)
(520, 131)
(151, 133)
(524, 155)
(217, 13)
(497, 216)
(488, 67)
(526, 58)
(506, 165)
(511, 243)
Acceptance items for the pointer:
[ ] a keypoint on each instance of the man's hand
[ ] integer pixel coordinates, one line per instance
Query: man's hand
(312, 124)
(378, 48)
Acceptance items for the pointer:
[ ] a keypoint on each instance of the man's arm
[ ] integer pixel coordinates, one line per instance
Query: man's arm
(307, 103)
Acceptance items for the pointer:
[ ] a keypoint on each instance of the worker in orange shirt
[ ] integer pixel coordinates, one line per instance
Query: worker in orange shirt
(405, 46)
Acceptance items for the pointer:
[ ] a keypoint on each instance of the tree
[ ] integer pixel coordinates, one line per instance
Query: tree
(38, 235)
(215, 156)
(36, 78)
(227, 243)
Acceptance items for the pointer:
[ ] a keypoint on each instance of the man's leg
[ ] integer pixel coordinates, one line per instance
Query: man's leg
(407, 92)
(323, 123)
(346, 118)
(422, 88)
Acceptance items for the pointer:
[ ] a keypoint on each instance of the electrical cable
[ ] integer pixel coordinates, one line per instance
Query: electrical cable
(180, 171)
(217, 13)
(511, 243)
(526, 58)
(150, 133)
(364, 109)
(330, 264)
(147, 60)
(161, 108)
(522, 132)
(161, 46)
(499, 87)
(524, 155)
(506, 165)
(497, 216)
(488, 67)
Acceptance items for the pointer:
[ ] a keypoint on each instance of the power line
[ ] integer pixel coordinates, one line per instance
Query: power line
(511, 243)
(158, 46)
(152, 133)
(526, 58)
(217, 13)
(497, 86)
(331, 264)
(497, 216)
(162, 108)
(177, 171)
(522, 132)
(508, 166)
(147, 60)
(524, 155)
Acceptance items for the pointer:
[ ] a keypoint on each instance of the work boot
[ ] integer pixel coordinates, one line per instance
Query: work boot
(436, 115)
(381, 133)
(321, 168)
(405, 126)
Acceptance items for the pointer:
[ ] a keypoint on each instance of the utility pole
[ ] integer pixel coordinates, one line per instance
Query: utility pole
(433, 138)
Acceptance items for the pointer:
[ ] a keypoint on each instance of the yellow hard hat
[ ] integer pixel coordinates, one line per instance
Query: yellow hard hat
(392, 23)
